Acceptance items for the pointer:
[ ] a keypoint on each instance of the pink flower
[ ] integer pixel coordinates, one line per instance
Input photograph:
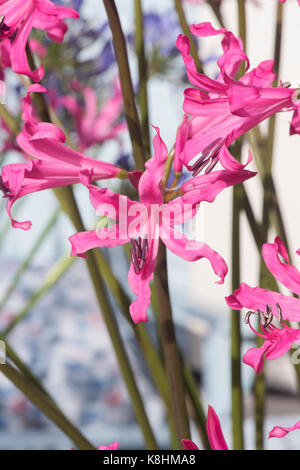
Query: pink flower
(224, 109)
(113, 446)
(18, 19)
(55, 164)
(266, 303)
(155, 220)
(93, 126)
(214, 432)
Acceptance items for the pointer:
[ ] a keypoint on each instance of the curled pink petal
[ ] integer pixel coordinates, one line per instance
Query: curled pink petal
(279, 431)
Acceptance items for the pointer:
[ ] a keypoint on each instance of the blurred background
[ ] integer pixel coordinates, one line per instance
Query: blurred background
(56, 328)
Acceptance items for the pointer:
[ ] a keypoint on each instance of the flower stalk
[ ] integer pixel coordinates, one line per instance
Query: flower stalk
(170, 350)
(143, 73)
(131, 113)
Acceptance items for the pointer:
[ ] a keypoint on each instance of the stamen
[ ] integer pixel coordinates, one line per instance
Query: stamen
(208, 156)
(138, 252)
(279, 312)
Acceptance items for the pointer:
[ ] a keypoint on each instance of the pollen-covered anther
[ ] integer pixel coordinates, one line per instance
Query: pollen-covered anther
(138, 252)
(208, 158)
(266, 317)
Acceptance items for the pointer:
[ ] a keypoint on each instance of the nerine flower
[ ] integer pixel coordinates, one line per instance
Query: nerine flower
(143, 223)
(266, 303)
(54, 165)
(93, 126)
(17, 18)
(214, 433)
(226, 108)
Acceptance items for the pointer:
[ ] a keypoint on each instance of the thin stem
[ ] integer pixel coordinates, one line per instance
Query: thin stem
(143, 73)
(236, 374)
(277, 54)
(236, 379)
(199, 414)
(111, 324)
(171, 355)
(131, 114)
(268, 205)
(186, 30)
(217, 12)
(45, 405)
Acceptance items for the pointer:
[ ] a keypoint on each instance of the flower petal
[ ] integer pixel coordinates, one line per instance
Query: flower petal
(279, 431)
(285, 273)
(254, 298)
(214, 431)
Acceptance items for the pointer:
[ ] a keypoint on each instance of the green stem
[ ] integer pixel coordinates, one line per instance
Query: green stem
(268, 204)
(111, 324)
(26, 263)
(236, 380)
(186, 30)
(217, 12)
(131, 114)
(170, 350)
(277, 54)
(236, 374)
(193, 394)
(143, 74)
(45, 405)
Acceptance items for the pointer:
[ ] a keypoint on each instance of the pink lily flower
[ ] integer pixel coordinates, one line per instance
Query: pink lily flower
(55, 164)
(224, 109)
(93, 126)
(145, 230)
(266, 303)
(18, 17)
(113, 446)
(214, 433)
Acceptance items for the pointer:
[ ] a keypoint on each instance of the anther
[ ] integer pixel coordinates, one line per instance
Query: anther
(138, 252)
(279, 312)
(248, 315)
(207, 158)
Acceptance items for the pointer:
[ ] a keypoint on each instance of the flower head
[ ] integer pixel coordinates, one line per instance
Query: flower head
(55, 164)
(143, 223)
(266, 303)
(18, 17)
(226, 108)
